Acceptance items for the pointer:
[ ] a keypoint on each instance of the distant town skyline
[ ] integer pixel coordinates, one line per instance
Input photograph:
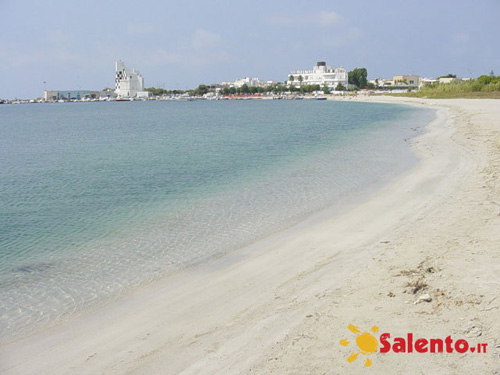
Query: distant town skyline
(64, 45)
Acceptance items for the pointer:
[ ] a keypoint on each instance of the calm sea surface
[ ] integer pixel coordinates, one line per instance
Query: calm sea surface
(98, 198)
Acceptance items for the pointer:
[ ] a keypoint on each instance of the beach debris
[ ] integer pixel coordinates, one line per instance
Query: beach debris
(309, 316)
(410, 272)
(417, 285)
(425, 298)
(474, 332)
(391, 294)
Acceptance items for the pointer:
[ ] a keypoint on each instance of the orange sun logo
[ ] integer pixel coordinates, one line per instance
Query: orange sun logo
(366, 342)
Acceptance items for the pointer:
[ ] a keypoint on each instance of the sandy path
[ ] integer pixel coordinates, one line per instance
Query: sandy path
(282, 305)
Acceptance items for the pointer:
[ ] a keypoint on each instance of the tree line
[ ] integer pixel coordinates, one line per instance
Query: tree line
(277, 88)
(357, 79)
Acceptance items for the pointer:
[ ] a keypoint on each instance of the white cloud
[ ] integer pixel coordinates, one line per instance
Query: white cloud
(328, 19)
(204, 48)
(54, 48)
(161, 57)
(203, 39)
(201, 48)
(46, 57)
(317, 19)
(208, 58)
(341, 39)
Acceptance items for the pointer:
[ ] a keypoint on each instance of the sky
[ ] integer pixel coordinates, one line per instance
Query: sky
(71, 44)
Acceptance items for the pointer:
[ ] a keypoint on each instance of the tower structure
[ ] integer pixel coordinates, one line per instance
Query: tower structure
(128, 82)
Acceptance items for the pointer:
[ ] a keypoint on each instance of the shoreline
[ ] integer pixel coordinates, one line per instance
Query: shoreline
(281, 305)
(326, 190)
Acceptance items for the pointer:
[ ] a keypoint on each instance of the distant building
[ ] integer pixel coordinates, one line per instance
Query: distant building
(249, 81)
(428, 81)
(129, 83)
(74, 94)
(449, 80)
(381, 82)
(321, 74)
(407, 80)
(55, 95)
(50, 95)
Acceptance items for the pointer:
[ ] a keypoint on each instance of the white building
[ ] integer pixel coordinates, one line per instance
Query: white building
(404, 81)
(381, 82)
(320, 75)
(428, 81)
(129, 83)
(249, 81)
(449, 80)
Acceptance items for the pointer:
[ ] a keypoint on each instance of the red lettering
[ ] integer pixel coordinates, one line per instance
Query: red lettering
(410, 343)
(399, 345)
(438, 343)
(386, 346)
(448, 342)
(461, 346)
(420, 345)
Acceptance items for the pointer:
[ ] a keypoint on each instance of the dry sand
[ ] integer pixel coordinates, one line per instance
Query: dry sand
(282, 305)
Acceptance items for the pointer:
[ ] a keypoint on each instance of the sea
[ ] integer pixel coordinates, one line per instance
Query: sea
(97, 199)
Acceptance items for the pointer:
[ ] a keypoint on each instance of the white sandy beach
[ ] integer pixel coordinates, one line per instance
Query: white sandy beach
(282, 305)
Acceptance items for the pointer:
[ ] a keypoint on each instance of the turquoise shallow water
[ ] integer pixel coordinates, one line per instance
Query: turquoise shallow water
(98, 198)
